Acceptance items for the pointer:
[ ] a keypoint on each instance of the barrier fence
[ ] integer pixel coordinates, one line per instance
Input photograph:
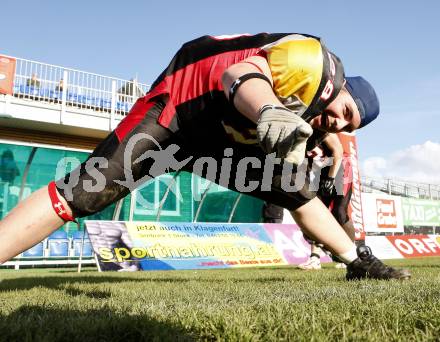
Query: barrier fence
(74, 88)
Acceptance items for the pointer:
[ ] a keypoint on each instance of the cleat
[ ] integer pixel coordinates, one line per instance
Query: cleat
(368, 266)
(311, 264)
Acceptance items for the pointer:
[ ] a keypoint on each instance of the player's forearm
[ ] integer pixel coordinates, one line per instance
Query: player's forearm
(336, 164)
(334, 145)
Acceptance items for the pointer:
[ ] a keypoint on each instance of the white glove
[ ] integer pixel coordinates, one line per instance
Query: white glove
(282, 131)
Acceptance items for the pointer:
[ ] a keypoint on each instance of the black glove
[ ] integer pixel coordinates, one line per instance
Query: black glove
(327, 186)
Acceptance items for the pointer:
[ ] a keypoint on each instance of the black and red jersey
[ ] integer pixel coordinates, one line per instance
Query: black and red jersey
(302, 68)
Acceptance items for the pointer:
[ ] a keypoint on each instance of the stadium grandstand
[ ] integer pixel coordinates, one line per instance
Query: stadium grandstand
(402, 188)
(53, 118)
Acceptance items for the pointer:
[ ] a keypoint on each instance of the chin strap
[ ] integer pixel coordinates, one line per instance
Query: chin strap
(57, 205)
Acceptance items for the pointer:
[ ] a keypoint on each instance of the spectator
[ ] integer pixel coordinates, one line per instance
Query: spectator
(60, 86)
(8, 167)
(33, 81)
(129, 91)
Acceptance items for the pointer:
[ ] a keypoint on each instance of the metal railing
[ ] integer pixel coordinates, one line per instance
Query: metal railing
(75, 89)
(401, 188)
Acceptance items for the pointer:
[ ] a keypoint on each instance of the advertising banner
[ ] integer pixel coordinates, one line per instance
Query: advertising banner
(355, 209)
(404, 246)
(135, 246)
(382, 213)
(290, 243)
(418, 212)
(7, 74)
(382, 247)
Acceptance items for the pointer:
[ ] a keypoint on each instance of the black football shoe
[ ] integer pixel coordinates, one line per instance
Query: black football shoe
(368, 266)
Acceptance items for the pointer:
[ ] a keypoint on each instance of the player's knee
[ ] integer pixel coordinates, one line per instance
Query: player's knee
(85, 203)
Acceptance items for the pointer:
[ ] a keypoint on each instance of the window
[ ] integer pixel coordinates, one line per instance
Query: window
(150, 197)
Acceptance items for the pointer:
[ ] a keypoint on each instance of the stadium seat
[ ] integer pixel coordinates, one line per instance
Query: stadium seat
(34, 91)
(97, 102)
(58, 234)
(44, 92)
(58, 244)
(35, 252)
(77, 239)
(106, 104)
(55, 94)
(122, 106)
(90, 100)
(81, 99)
(72, 97)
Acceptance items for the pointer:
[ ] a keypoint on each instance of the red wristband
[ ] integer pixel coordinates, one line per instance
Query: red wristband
(57, 205)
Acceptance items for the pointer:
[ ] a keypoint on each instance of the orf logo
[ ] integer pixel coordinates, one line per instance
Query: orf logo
(386, 213)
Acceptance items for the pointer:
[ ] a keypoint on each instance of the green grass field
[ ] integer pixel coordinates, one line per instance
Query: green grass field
(270, 304)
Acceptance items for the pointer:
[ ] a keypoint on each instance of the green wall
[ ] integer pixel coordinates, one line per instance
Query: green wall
(37, 166)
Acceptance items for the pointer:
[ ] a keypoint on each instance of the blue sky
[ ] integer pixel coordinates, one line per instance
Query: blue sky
(394, 44)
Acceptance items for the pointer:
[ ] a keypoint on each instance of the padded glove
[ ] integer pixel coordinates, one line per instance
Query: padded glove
(327, 186)
(282, 131)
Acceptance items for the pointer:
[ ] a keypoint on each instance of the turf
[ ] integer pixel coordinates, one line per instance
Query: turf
(271, 304)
